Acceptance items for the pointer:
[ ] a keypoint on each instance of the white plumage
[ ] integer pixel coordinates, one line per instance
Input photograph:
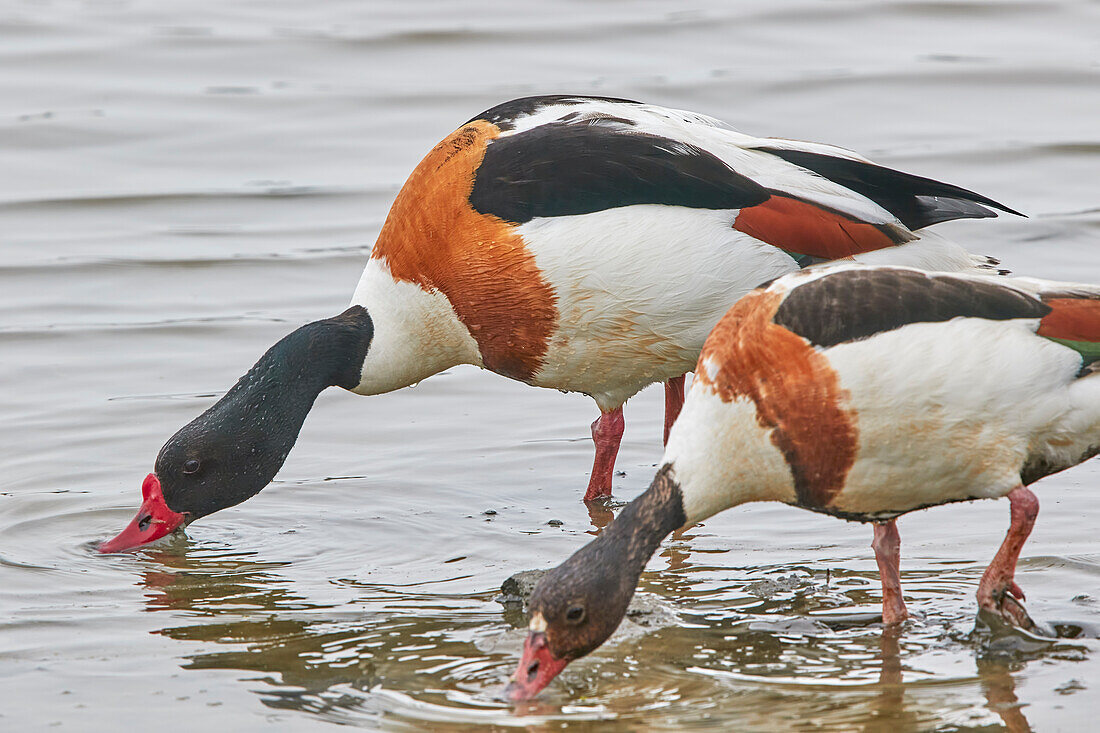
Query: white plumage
(971, 392)
(628, 286)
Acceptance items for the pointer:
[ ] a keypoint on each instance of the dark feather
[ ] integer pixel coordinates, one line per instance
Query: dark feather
(561, 169)
(854, 304)
(917, 202)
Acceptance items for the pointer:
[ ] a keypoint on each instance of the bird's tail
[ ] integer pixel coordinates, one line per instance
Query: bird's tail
(934, 253)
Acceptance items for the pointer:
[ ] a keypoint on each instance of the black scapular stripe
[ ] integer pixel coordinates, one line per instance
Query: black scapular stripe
(917, 202)
(854, 304)
(561, 169)
(504, 114)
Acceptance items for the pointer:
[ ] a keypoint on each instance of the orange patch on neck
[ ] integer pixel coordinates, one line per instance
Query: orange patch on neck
(1072, 320)
(796, 226)
(434, 238)
(796, 392)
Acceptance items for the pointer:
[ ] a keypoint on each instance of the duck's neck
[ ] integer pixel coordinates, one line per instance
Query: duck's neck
(641, 526)
(724, 456)
(284, 383)
(625, 546)
(260, 417)
(417, 333)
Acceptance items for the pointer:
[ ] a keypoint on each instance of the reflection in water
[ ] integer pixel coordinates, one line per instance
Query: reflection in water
(889, 709)
(890, 713)
(773, 635)
(224, 583)
(316, 657)
(247, 601)
(600, 513)
(1000, 693)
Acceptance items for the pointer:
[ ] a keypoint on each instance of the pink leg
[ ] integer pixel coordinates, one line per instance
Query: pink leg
(674, 400)
(887, 546)
(998, 592)
(607, 432)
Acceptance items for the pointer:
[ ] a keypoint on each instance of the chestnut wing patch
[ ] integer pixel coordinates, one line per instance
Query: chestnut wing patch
(562, 169)
(917, 202)
(1073, 321)
(806, 230)
(855, 304)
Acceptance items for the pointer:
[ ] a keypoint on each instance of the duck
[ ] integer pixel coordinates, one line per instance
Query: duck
(864, 393)
(584, 244)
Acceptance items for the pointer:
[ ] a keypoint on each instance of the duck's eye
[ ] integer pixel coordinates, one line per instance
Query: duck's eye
(575, 614)
(191, 465)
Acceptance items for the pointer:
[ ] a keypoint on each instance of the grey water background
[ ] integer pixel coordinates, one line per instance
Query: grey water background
(183, 183)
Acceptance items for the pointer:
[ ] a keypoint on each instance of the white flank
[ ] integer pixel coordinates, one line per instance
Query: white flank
(416, 333)
(722, 457)
(638, 289)
(950, 411)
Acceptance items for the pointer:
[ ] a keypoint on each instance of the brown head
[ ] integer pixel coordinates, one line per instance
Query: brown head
(579, 604)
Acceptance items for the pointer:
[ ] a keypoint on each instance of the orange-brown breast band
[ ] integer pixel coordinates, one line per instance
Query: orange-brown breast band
(803, 228)
(434, 238)
(796, 392)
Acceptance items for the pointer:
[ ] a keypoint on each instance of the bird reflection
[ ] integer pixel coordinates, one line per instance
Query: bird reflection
(889, 711)
(227, 582)
(600, 513)
(243, 602)
(1000, 693)
(892, 694)
(313, 656)
(328, 659)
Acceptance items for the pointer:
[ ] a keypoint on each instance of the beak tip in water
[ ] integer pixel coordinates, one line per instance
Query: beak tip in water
(153, 521)
(537, 666)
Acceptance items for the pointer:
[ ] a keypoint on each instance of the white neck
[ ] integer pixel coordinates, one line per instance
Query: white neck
(722, 457)
(416, 332)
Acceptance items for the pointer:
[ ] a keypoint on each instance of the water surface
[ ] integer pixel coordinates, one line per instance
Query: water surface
(183, 183)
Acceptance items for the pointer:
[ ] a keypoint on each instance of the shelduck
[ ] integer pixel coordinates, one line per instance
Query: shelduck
(861, 392)
(579, 243)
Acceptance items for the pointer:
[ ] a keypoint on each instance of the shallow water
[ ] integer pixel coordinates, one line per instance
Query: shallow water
(184, 183)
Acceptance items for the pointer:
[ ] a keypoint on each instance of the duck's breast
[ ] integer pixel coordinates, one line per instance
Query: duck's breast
(434, 240)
